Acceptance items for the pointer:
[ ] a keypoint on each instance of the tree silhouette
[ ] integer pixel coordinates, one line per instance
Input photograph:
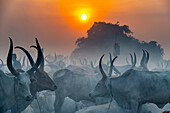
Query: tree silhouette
(103, 36)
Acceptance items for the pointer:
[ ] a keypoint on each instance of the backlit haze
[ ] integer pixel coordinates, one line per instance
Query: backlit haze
(58, 23)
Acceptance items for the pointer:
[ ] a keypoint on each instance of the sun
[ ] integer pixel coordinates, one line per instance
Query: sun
(84, 17)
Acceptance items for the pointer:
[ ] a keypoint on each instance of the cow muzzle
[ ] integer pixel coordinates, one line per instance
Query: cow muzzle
(55, 87)
(29, 98)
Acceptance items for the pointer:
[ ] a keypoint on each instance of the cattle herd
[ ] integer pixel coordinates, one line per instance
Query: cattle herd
(52, 84)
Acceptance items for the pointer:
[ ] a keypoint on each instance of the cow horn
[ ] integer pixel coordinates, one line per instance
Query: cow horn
(111, 66)
(23, 62)
(27, 53)
(39, 59)
(101, 69)
(29, 56)
(9, 59)
(143, 58)
(131, 59)
(134, 61)
(147, 57)
(42, 62)
(110, 57)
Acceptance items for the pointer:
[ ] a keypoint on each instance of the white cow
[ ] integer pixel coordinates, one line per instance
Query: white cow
(18, 86)
(135, 88)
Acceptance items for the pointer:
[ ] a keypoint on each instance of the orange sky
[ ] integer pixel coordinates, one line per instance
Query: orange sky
(57, 23)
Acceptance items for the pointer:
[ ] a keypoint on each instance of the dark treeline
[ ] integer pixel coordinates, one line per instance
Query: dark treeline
(106, 37)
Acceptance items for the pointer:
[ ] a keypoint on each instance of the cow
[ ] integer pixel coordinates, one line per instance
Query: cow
(73, 84)
(54, 63)
(70, 106)
(134, 88)
(18, 86)
(57, 62)
(29, 109)
(143, 64)
(103, 109)
(46, 101)
(41, 82)
(117, 69)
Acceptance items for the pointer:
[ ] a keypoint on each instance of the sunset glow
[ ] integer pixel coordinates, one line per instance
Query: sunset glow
(83, 16)
(73, 10)
(61, 22)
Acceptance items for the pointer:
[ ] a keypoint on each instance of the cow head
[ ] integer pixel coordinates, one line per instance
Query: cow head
(22, 81)
(102, 88)
(43, 81)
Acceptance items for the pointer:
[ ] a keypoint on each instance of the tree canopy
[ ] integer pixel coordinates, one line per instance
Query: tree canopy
(102, 38)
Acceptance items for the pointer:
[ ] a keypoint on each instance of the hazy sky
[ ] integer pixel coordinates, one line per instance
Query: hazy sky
(57, 23)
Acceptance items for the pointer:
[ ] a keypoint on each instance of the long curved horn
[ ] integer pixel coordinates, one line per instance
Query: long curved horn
(2, 63)
(28, 55)
(134, 62)
(110, 57)
(39, 59)
(111, 66)
(143, 58)
(9, 59)
(131, 59)
(42, 62)
(147, 57)
(23, 62)
(101, 69)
